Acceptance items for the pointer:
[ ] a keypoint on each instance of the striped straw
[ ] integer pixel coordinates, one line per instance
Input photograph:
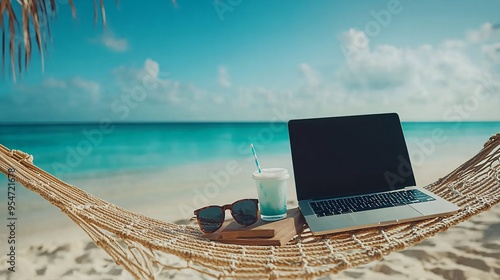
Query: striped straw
(256, 159)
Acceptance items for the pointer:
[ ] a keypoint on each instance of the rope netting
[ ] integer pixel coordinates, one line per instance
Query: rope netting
(144, 246)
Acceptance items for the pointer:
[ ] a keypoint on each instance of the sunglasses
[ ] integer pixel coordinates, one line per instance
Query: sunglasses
(211, 218)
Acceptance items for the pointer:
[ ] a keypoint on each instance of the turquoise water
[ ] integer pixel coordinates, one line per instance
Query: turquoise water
(429, 141)
(82, 149)
(88, 149)
(464, 130)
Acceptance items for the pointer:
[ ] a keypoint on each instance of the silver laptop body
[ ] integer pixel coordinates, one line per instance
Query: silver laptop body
(352, 160)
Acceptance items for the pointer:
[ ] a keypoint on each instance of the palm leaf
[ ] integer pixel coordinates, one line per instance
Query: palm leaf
(2, 9)
(33, 13)
(3, 52)
(11, 16)
(26, 36)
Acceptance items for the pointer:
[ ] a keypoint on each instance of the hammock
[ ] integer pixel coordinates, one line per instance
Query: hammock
(142, 245)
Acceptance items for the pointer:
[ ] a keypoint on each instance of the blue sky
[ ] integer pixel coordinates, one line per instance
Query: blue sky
(242, 60)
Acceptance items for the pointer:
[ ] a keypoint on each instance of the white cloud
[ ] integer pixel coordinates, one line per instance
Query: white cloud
(73, 84)
(115, 44)
(55, 99)
(485, 32)
(421, 83)
(384, 67)
(354, 42)
(54, 83)
(90, 87)
(152, 68)
(159, 88)
(492, 52)
(454, 44)
(171, 94)
(149, 75)
(312, 78)
(224, 79)
(445, 70)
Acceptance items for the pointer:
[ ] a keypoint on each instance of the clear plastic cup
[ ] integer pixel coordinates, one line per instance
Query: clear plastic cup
(272, 188)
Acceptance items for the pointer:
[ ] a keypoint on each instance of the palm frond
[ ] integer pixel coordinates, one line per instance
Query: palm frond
(103, 13)
(26, 36)
(34, 14)
(3, 52)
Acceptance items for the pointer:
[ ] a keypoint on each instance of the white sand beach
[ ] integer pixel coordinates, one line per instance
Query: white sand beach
(55, 248)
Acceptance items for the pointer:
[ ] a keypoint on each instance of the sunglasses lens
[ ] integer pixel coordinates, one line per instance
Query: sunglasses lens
(245, 212)
(211, 219)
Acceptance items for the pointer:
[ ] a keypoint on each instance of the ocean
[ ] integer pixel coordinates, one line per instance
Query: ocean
(76, 150)
(137, 164)
(86, 148)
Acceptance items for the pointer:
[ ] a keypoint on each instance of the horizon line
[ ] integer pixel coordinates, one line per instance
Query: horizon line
(199, 122)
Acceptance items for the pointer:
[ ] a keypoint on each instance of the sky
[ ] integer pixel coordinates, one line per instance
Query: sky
(242, 60)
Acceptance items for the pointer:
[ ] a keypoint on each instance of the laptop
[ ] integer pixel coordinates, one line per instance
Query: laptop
(354, 172)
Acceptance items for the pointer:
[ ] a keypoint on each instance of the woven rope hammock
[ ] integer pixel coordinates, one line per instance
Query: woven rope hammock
(142, 245)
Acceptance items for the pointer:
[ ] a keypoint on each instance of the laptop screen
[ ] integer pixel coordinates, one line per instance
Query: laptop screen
(342, 156)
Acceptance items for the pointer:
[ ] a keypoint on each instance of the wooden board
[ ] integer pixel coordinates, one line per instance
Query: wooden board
(274, 233)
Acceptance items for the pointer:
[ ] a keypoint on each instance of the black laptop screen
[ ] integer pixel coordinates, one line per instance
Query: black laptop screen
(343, 156)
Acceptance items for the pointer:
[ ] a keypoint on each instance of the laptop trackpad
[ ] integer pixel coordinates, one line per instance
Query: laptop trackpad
(328, 223)
(385, 215)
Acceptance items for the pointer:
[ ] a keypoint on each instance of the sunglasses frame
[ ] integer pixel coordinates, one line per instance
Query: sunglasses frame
(224, 208)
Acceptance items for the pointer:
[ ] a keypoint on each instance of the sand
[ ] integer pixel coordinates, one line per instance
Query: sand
(58, 249)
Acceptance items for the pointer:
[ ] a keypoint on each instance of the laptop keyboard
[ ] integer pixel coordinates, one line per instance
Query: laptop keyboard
(368, 202)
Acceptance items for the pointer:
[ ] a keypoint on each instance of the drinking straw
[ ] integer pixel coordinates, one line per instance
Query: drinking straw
(256, 159)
